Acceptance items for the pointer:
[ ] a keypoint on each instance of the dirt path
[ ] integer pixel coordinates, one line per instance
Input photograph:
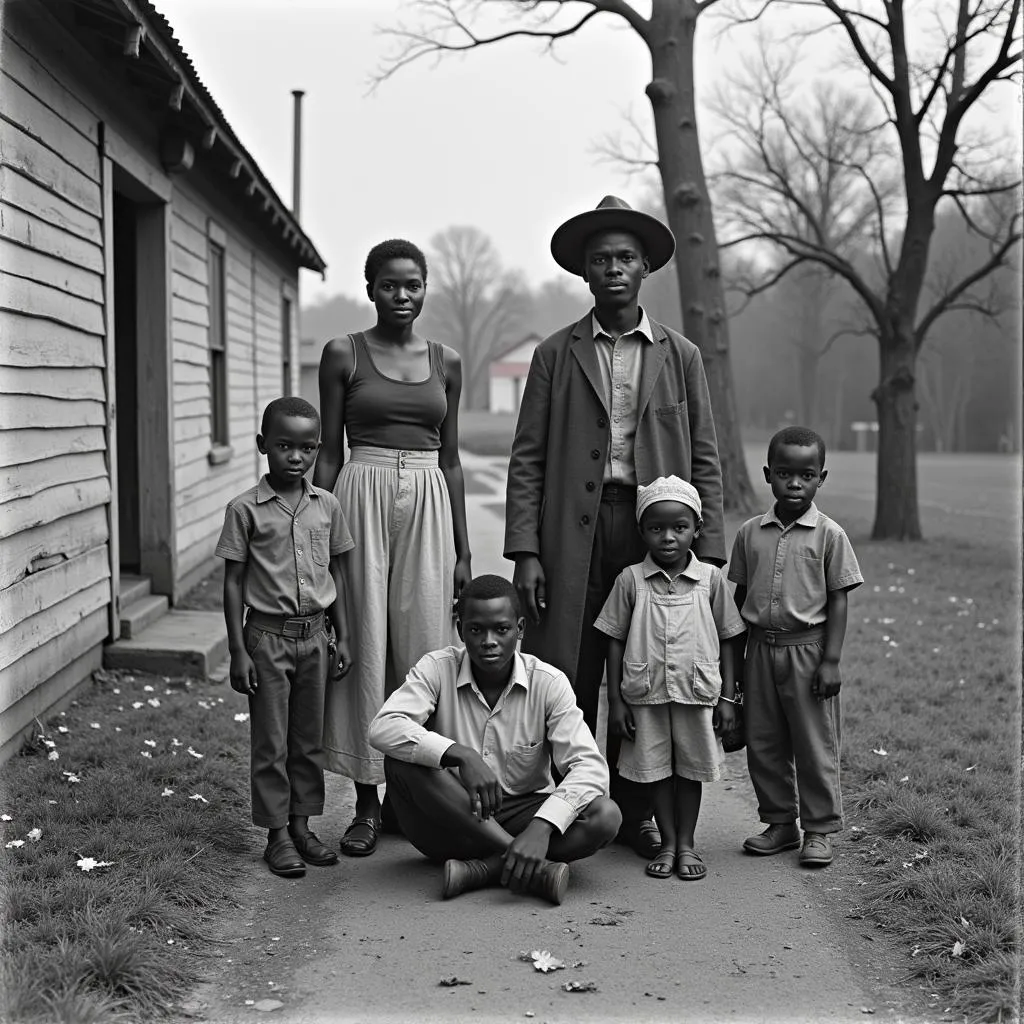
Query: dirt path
(759, 940)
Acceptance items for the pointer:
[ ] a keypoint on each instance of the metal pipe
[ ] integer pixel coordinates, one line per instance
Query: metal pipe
(297, 152)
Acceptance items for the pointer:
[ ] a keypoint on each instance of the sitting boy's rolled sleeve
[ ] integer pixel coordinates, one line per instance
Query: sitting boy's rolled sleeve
(558, 812)
(397, 730)
(341, 536)
(233, 544)
(617, 612)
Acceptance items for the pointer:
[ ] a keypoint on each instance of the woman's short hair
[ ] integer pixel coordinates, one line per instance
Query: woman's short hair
(393, 249)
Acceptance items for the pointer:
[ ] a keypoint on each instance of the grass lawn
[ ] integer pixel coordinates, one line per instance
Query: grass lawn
(122, 828)
(931, 740)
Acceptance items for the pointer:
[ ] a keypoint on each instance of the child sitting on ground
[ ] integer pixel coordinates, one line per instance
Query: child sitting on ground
(793, 568)
(282, 543)
(667, 670)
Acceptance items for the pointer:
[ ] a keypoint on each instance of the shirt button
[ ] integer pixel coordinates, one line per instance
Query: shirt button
(298, 551)
(584, 520)
(671, 666)
(602, 422)
(591, 485)
(595, 454)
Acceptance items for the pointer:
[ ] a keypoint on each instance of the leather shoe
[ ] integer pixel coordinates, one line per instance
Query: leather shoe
(774, 839)
(466, 875)
(283, 859)
(312, 851)
(641, 836)
(816, 851)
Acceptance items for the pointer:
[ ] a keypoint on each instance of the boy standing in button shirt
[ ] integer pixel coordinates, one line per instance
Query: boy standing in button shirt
(283, 542)
(793, 568)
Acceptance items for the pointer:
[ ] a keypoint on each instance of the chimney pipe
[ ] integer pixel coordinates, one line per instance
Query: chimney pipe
(297, 152)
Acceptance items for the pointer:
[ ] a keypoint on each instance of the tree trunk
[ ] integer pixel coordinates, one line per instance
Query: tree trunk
(673, 24)
(896, 512)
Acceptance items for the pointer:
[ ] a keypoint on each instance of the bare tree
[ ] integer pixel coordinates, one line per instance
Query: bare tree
(922, 94)
(669, 33)
(474, 301)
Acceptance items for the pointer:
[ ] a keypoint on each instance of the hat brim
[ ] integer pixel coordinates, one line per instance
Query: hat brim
(568, 240)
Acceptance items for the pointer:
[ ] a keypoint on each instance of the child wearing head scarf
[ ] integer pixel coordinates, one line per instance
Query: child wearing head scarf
(671, 683)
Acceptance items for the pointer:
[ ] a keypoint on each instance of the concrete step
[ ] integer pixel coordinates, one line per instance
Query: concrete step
(141, 613)
(133, 588)
(177, 644)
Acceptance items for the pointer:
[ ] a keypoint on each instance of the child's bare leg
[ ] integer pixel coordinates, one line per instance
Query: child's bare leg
(663, 799)
(687, 809)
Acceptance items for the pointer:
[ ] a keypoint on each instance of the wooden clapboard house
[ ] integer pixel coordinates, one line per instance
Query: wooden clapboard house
(147, 314)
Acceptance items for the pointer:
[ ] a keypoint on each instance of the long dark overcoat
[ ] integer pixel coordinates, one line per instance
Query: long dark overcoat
(558, 458)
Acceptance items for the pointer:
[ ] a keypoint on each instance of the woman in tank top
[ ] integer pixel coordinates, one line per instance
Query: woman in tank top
(395, 398)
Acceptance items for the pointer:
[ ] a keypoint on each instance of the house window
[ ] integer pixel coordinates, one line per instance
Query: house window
(286, 344)
(218, 347)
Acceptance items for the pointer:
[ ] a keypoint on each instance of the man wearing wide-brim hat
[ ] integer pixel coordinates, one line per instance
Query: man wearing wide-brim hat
(612, 401)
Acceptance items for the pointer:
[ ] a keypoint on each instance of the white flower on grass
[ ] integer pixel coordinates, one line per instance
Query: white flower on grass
(203, 705)
(150, 743)
(906, 778)
(14, 844)
(62, 728)
(117, 728)
(148, 688)
(910, 572)
(94, 725)
(199, 796)
(51, 801)
(964, 921)
(167, 791)
(953, 599)
(146, 753)
(970, 768)
(544, 961)
(881, 751)
(116, 689)
(195, 753)
(49, 743)
(137, 704)
(90, 863)
(153, 702)
(34, 835)
(6, 817)
(242, 716)
(72, 777)
(53, 755)
(958, 948)
(175, 742)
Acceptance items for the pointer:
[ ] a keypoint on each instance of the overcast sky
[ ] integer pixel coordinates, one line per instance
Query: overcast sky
(502, 138)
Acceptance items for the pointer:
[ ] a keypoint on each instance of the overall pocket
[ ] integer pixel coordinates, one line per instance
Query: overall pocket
(707, 682)
(636, 680)
(527, 767)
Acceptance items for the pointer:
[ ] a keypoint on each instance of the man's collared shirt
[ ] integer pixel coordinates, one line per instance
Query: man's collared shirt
(534, 723)
(789, 571)
(621, 363)
(287, 552)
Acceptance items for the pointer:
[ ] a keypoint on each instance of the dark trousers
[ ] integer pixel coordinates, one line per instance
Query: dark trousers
(434, 812)
(286, 718)
(617, 544)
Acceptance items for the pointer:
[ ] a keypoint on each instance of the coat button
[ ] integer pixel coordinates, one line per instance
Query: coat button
(602, 422)
(584, 520)
(595, 454)
(591, 485)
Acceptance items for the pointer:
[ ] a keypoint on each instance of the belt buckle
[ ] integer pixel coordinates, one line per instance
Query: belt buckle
(294, 630)
(769, 636)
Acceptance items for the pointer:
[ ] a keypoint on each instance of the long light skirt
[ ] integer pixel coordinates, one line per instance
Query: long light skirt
(399, 587)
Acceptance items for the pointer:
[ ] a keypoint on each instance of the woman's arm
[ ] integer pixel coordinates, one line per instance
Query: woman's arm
(335, 368)
(451, 467)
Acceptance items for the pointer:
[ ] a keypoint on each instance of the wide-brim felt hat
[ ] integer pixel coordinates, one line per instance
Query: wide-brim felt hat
(611, 214)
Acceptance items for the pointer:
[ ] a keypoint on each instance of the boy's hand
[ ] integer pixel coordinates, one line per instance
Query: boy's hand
(723, 718)
(482, 785)
(620, 720)
(827, 680)
(243, 674)
(341, 659)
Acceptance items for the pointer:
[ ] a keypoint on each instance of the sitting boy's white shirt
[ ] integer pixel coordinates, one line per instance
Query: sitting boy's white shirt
(534, 723)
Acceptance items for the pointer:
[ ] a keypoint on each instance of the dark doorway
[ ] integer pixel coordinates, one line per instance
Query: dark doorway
(127, 375)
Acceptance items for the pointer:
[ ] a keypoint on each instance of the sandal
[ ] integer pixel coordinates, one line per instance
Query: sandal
(360, 838)
(661, 866)
(690, 859)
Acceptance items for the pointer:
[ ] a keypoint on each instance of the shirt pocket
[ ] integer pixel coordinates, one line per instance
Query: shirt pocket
(636, 680)
(320, 546)
(527, 767)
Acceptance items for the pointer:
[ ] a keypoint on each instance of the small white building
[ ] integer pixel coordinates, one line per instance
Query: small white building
(508, 375)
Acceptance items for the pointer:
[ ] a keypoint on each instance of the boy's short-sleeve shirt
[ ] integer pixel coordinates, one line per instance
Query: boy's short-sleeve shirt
(287, 552)
(789, 571)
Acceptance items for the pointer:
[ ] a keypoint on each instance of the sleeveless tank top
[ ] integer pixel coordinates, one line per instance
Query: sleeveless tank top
(382, 412)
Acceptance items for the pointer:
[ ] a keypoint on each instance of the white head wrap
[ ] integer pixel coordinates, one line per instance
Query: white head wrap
(667, 488)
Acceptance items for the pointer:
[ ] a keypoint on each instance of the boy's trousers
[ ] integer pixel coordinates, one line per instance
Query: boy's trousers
(793, 740)
(287, 724)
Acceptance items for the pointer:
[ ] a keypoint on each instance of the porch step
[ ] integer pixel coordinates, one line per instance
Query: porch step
(133, 588)
(176, 644)
(143, 612)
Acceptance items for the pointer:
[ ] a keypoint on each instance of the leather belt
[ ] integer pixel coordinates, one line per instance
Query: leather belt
(787, 638)
(295, 627)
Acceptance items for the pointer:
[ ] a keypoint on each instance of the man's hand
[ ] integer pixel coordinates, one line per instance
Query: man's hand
(620, 720)
(243, 673)
(723, 719)
(482, 785)
(827, 680)
(525, 854)
(341, 659)
(530, 584)
(462, 578)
